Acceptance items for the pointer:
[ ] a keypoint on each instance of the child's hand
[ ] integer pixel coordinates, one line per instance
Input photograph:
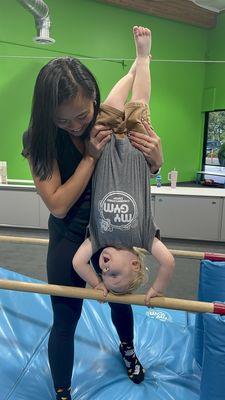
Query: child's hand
(150, 294)
(102, 287)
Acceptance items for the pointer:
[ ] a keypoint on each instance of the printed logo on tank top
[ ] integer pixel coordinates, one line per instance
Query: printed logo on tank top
(118, 210)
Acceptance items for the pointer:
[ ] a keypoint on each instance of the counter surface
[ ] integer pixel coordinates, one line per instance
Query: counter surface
(163, 190)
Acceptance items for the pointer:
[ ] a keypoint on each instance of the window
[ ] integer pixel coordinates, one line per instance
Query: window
(214, 146)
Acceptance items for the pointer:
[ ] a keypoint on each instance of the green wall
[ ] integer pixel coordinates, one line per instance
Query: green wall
(86, 28)
(215, 73)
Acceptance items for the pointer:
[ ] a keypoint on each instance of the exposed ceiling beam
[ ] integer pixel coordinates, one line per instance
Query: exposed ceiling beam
(178, 10)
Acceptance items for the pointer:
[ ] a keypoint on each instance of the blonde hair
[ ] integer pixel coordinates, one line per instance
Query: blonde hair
(141, 277)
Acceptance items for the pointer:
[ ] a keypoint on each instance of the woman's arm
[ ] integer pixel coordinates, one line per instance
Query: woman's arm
(58, 197)
(165, 271)
(150, 145)
(81, 264)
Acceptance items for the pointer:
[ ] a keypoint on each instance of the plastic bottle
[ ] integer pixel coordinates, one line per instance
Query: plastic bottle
(172, 176)
(158, 181)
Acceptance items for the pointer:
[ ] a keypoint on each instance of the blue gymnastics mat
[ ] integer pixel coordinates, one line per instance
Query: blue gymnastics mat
(163, 340)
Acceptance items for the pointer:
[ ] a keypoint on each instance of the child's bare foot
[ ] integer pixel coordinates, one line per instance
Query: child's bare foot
(143, 41)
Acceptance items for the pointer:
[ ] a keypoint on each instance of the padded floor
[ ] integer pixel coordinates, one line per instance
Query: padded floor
(163, 340)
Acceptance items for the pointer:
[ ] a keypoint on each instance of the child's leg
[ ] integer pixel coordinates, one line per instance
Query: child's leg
(141, 90)
(137, 110)
(120, 91)
(138, 77)
(111, 112)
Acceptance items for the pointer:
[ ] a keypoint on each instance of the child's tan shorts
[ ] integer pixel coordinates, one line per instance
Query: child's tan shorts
(122, 122)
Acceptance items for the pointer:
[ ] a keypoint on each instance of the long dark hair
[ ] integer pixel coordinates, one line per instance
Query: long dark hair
(59, 80)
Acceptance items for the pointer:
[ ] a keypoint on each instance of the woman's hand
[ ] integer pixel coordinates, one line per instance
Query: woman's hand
(150, 294)
(149, 145)
(99, 136)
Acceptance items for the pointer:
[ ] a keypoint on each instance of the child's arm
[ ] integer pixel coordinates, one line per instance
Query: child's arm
(84, 269)
(166, 267)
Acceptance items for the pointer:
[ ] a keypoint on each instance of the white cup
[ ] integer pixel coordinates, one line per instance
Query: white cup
(172, 176)
(3, 171)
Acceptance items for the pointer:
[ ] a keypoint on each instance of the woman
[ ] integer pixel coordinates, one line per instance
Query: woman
(62, 146)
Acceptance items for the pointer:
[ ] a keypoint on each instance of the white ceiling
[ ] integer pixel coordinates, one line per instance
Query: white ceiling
(213, 5)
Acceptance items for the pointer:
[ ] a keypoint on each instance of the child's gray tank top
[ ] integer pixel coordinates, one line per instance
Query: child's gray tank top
(121, 199)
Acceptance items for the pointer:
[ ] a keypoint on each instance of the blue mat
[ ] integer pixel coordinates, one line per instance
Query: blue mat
(163, 339)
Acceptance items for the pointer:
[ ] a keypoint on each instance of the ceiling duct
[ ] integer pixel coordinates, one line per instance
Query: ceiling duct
(40, 11)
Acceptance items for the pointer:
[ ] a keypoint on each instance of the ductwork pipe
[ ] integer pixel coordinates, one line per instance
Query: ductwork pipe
(40, 11)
